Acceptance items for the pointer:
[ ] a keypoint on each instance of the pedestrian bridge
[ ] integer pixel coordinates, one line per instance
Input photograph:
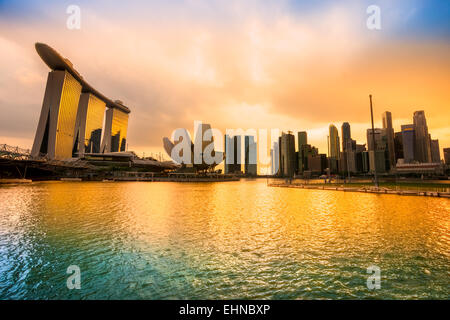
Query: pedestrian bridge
(16, 153)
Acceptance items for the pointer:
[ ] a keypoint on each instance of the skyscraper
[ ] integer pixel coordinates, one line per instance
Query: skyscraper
(380, 136)
(303, 157)
(365, 161)
(435, 153)
(359, 149)
(447, 156)
(280, 161)
(348, 155)
(237, 148)
(227, 165)
(88, 126)
(346, 136)
(377, 159)
(409, 142)
(422, 143)
(237, 142)
(287, 158)
(275, 158)
(232, 154)
(378, 153)
(55, 133)
(398, 145)
(302, 138)
(72, 113)
(334, 143)
(302, 151)
(387, 124)
(317, 163)
(250, 162)
(115, 134)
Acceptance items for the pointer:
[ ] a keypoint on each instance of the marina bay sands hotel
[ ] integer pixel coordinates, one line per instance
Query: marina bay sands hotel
(75, 118)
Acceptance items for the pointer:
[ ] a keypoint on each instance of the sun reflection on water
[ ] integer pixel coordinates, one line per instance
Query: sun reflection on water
(219, 240)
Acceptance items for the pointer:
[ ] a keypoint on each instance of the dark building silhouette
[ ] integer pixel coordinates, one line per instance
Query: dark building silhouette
(115, 140)
(303, 151)
(317, 163)
(232, 163)
(447, 156)
(435, 153)
(398, 145)
(422, 144)
(359, 149)
(288, 159)
(365, 161)
(280, 162)
(347, 161)
(387, 124)
(250, 162)
(332, 163)
(346, 136)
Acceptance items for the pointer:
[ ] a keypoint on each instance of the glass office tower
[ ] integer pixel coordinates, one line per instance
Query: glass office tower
(422, 147)
(409, 142)
(302, 140)
(346, 136)
(387, 124)
(334, 151)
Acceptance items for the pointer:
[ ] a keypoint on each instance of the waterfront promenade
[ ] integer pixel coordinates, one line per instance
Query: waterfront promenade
(365, 189)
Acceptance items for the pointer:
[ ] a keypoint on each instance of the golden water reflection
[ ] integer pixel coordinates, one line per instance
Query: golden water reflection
(220, 240)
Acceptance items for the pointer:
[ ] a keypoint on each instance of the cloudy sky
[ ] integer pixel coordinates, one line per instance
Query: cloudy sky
(297, 65)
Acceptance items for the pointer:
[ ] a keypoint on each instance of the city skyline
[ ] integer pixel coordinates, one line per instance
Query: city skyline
(272, 52)
(75, 117)
(410, 150)
(291, 154)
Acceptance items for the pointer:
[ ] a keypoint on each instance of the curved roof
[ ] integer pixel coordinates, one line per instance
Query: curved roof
(56, 62)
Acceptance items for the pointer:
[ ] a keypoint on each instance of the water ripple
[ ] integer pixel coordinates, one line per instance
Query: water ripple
(219, 241)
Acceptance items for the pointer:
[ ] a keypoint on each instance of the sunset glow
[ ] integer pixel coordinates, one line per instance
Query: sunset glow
(234, 64)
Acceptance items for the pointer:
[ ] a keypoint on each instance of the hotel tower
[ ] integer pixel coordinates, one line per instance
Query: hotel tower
(72, 121)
